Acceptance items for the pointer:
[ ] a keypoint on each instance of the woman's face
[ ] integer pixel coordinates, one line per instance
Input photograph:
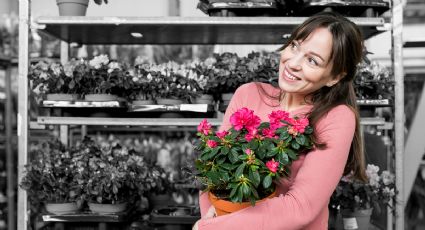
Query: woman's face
(305, 66)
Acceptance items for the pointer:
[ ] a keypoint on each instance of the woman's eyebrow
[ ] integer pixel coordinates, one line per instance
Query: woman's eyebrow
(317, 55)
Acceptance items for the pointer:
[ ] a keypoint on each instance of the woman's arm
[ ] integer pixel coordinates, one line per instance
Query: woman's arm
(312, 187)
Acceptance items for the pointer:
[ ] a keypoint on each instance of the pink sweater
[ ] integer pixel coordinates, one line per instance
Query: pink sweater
(303, 198)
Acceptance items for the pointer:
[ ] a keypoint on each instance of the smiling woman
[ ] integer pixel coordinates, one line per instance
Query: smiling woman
(316, 73)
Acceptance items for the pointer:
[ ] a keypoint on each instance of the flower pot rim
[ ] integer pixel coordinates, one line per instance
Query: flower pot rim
(229, 207)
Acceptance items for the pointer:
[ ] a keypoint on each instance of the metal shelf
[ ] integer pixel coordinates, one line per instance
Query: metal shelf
(414, 42)
(110, 121)
(107, 121)
(181, 30)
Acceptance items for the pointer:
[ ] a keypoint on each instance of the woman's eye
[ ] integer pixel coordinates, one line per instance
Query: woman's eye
(293, 46)
(312, 61)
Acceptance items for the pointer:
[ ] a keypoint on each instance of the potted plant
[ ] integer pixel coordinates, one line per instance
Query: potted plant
(75, 7)
(143, 90)
(114, 176)
(49, 81)
(238, 166)
(175, 89)
(355, 200)
(105, 80)
(49, 179)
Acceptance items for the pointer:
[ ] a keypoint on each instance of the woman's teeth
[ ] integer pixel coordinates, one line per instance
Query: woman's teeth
(290, 76)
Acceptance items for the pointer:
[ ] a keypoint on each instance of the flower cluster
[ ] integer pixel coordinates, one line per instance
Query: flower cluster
(240, 164)
(353, 194)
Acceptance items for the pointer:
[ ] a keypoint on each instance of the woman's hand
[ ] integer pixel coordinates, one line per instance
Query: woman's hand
(210, 214)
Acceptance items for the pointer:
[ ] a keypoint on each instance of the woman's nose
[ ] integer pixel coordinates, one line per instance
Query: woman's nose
(295, 61)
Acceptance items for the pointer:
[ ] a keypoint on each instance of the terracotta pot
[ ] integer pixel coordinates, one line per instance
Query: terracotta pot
(72, 7)
(61, 97)
(359, 219)
(62, 208)
(223, 207)
(107, 208)
(100, 97)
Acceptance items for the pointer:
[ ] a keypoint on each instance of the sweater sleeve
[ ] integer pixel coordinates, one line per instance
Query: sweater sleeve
(311, 189)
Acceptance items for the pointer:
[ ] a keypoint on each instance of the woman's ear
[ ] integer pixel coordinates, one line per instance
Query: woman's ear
(335, 80)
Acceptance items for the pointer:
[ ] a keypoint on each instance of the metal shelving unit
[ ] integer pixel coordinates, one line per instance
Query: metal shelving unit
(158, 30)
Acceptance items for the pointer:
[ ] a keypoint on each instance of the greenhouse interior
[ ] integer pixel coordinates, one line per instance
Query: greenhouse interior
(160, 114)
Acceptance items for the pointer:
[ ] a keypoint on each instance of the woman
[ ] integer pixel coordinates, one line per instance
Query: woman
(316, 72)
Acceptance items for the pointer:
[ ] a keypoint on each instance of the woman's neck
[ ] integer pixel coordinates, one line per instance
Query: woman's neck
(290, 102)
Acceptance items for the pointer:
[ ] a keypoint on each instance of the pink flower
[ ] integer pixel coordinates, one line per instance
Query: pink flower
(212, 144)
(252, 133)
(276, 118)
(299, 125)
(269, 133)
(221, 134)
(248, 151)
(249, 137)
(272, 165)
(245, 118)
(204, 127)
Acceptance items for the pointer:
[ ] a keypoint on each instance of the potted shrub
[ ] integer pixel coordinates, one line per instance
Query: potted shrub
(357, 199)
(115, 177)
(49, 179)
(75, 7)
(49, 81)
(238, 166)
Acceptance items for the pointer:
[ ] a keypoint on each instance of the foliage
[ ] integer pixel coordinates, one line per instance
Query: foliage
(46, 78)
(240, 164)
(49, 176)
(353, 194)
(373, 81)
(114, 174)
(104, 76)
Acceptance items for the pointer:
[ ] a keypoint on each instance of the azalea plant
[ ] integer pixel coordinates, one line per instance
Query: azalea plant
(114, 174)
(353, 194)
(49, 176)
(240, 164)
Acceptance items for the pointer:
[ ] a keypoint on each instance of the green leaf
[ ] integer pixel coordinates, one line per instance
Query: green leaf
(254, 176)
(228, 166)
(295, 145)
(308, 130)
(283, 158)
(225, 150)
(272, 153)
(245, 189)
(300, 139)
(221, 160)
(292, 154)
(253, 145)
(239, 170)
(233, 156)
(267, 181)
(243, 157)
(233, 192)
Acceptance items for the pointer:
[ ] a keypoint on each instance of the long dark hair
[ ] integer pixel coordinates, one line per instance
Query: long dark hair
(346, 53)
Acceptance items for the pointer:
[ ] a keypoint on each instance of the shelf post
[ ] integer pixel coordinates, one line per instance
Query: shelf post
(397, 60)
(22, 119)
